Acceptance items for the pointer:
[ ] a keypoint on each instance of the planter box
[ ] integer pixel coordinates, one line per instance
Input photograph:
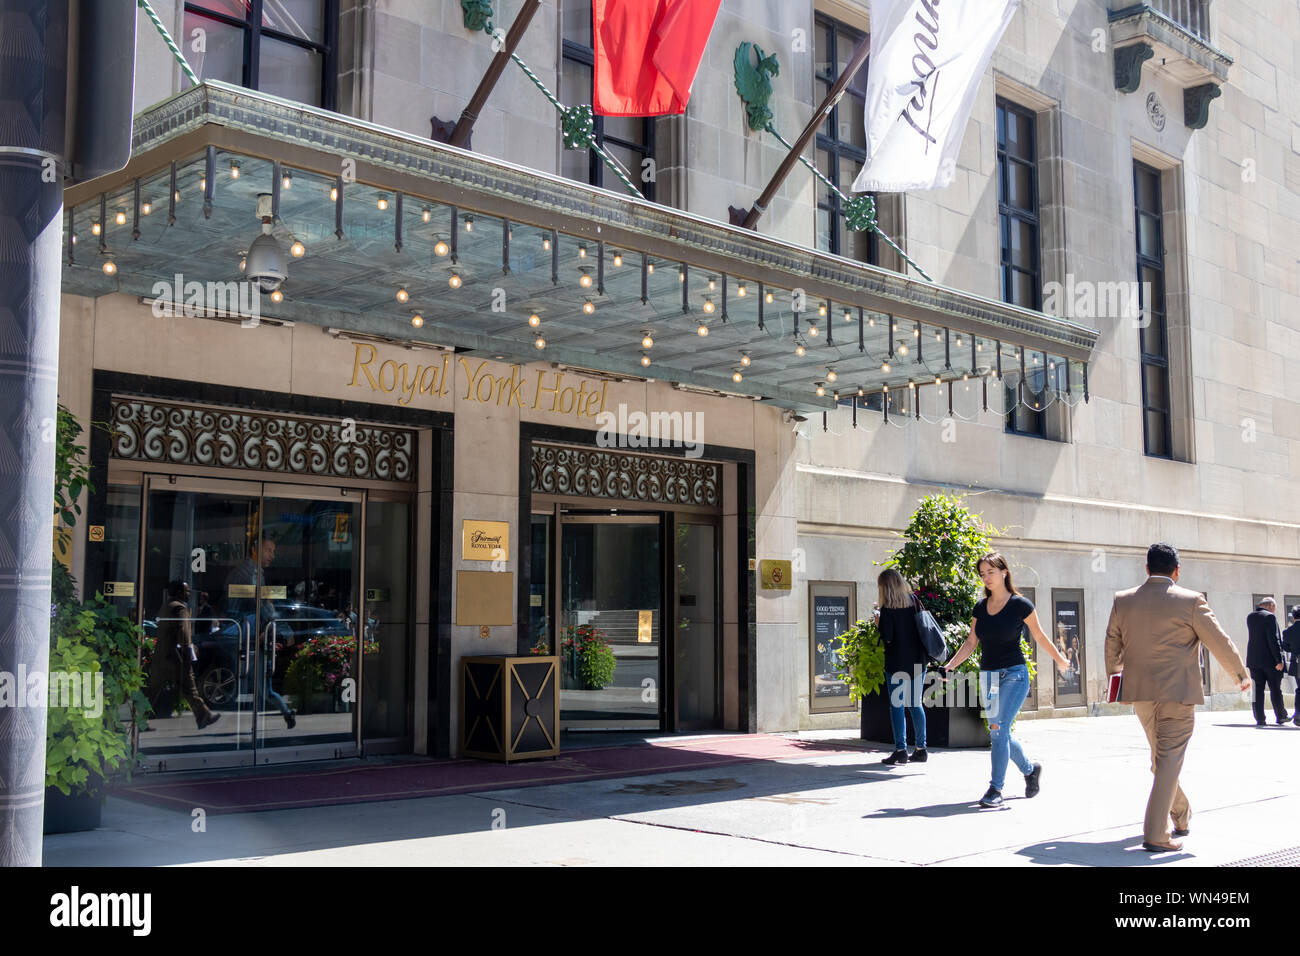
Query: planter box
(950, 727)
(71, 814)
(509, 707)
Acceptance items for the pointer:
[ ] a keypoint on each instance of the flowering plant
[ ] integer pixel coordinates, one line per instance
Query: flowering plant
(322, 664)
(541, 649)
(587, 648)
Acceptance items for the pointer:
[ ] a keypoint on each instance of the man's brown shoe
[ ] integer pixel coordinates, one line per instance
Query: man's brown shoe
(1170, 847)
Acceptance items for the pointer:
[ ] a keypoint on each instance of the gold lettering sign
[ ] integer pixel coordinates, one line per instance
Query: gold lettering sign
(644, 623)
(485, 540)
(241, 591)
(270, 592)
(119, 589)
(775, 575)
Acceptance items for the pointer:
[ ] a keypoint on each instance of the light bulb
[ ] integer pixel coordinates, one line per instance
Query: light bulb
(582, 252)
(860, 391)
(895, 326)
(109, 267)
(812, 330)
(979, 347)
(837, 395)
(334, 194)
(176, 196)
(848, 316)
(120, 218)
(645, 360)
(585, 281)
(768, 298)
(902, 350)
(871, 322)
(402, 295)
(681, 275)
(546, 243)
(830, 375)
(647, 342)
(203, 183)
(243, 263)
(911, 385)
(417, 320)
(534, 320)
(95, 228)
(799, 349)
(821, 390)
(713, 284)
(297, 250)
(382, 202)
(286, 181)
(745, 359)
(821, 310)
(234, 170)
(454, 281)
(735, 376)
(588, 307)
(936, 380)
(540, 343)
(618, 258)
(916, 333)
(702, 330)
(277, 296)
(426, 213)
(469, 223)
(741, 290)
(440, 248)
(708, 306)
(650, 268)
(146, 207)
(884, 367)
(938, 337)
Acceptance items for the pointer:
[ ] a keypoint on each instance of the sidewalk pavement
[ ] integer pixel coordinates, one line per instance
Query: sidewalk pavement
(836, 809)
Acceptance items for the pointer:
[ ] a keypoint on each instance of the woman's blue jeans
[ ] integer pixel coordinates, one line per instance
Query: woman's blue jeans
(1002, 693)
(905, 694)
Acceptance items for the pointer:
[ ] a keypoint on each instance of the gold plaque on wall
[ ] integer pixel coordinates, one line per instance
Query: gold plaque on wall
(485, 597)
(776, 575)
(118, 589)
(485, 540)
(644, 625)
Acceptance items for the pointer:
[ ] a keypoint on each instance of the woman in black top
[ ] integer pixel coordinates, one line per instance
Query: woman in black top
(905, 659)
(1004, 679)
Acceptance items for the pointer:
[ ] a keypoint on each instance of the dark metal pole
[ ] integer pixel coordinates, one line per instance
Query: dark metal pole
(814, 123)
(33, 85)
(465, 125)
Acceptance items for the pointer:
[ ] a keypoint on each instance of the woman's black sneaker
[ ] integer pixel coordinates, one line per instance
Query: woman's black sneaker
(918, 755)
(991, 799)
(1031, 780)
(897, 757)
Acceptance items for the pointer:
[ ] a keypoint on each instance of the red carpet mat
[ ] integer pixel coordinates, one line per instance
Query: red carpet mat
(258, 790)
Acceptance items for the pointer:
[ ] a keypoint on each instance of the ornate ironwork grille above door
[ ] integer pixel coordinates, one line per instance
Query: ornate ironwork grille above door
(170, 433)
(557, 470)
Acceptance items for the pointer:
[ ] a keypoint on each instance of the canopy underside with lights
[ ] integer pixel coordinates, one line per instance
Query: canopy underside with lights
(390, 237)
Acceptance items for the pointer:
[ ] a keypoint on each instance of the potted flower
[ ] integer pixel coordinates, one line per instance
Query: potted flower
(588, 659)
(316, 676)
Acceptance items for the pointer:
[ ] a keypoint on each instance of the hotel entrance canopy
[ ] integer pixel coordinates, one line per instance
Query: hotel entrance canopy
(414, 242)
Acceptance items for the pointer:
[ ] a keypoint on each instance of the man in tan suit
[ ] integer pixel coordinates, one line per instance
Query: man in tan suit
(1153, 639)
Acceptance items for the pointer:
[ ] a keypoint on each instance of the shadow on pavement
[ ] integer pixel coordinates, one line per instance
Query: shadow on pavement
(1123, 852)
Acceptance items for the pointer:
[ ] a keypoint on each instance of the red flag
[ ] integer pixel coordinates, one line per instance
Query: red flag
(647, 53)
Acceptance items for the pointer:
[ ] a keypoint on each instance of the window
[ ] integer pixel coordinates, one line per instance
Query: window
(841, 142)
(287, 48)
(1026, 390)
(629, 140)
(1153, 334)
(1068, 635)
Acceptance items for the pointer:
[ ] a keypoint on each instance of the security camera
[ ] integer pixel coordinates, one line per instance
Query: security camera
(266, 265)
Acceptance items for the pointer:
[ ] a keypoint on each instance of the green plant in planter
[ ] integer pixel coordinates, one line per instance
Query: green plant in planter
(84, 744)
(595, 658)
(862, 657)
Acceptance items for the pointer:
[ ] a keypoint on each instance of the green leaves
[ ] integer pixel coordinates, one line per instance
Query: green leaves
(862, 657)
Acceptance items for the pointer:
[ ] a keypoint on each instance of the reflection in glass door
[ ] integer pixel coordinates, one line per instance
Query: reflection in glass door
(696, 617)
(611, 600)
(261, 652)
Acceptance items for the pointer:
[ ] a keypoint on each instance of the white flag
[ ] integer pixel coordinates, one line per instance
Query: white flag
(927, 60)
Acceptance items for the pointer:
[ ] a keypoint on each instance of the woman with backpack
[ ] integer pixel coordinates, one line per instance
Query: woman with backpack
(1004, 679)
(905, 659)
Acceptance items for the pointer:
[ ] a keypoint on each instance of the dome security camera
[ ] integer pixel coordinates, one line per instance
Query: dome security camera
(266, 264)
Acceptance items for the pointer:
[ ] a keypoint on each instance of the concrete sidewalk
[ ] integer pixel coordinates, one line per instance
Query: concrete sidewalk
(828, 809)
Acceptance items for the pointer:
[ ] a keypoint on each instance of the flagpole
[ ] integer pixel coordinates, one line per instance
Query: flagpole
(859, 57)
(459, 136)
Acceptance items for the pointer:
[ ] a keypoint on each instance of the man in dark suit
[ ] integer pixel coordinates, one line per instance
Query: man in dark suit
(1291, 642)
(1264, 658)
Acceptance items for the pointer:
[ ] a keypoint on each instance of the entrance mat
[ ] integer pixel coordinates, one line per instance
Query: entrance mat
(255, 790)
